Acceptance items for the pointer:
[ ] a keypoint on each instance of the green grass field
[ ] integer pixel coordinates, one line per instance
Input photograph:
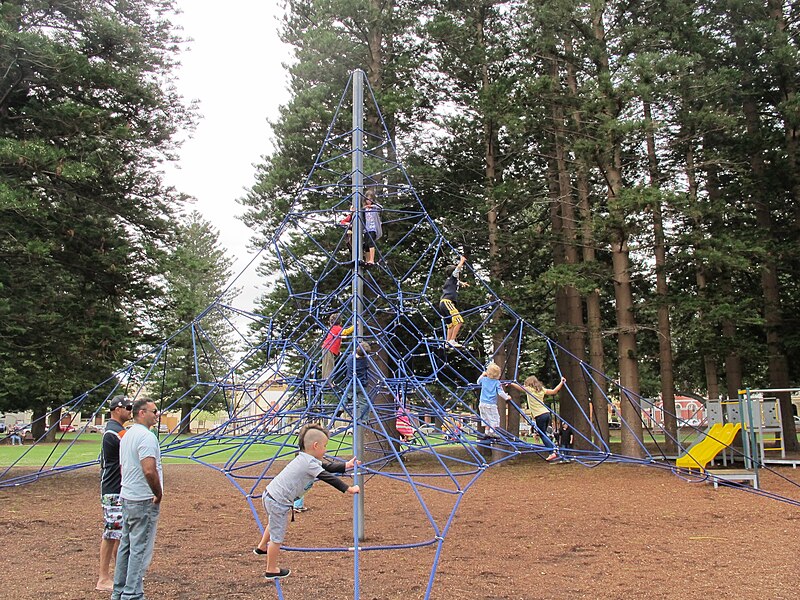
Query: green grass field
(70, 451)
(87, 449)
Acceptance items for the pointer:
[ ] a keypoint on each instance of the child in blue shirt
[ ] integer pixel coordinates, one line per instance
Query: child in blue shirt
(491, 388)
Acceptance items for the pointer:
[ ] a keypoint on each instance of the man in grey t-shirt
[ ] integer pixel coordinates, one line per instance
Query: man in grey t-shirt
(140, 459)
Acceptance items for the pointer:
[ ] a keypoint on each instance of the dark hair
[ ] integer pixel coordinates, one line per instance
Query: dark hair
(301, 435)
(363, 349)
(139, 405)
(334, 318)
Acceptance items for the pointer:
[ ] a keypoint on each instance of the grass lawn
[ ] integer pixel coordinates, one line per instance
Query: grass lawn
(71, 451)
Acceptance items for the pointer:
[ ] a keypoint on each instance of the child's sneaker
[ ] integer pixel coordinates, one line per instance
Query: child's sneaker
(454, 344)
(279, 575)
(301, 509)
(552, 457)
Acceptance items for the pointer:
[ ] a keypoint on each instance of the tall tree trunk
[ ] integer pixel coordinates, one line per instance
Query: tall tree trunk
(559, 258)
(184, 427)
(610, 162)
(733, 359)
(777, 364)
(788, 88)
(380, 45)
(576, 343)
(52, 426)
(38, 422)
(710, 367)
(709, 361)
(779, 368)
(511, 358)
(375, 61)
(491, 179)
(593, 315)
(662, 294)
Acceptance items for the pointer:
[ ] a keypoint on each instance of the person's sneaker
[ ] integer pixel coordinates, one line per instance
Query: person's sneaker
(552, 457)
(454, 344)
(301, 509)
(259, 551)
(279, 575)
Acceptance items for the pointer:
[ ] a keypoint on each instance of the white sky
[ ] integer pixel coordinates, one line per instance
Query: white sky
(233, 67)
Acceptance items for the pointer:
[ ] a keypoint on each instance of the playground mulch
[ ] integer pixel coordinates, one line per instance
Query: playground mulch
(524, 531)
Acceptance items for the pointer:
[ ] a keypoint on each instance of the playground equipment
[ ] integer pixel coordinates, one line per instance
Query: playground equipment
(391, 305)
(718, 438)
(758, 411)
(756, 415)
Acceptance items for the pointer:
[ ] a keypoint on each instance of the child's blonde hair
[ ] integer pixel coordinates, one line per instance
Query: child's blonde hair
(493, 371)
(533, 382)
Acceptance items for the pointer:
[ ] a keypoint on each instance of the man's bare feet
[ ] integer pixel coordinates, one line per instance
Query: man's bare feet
(104, 586)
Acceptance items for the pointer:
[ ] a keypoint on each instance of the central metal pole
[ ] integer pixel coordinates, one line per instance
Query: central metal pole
(357, 178)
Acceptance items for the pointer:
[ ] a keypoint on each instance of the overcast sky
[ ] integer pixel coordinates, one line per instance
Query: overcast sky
(233, 68)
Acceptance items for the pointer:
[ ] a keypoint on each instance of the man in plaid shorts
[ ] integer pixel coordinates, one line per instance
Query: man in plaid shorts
(110, 484)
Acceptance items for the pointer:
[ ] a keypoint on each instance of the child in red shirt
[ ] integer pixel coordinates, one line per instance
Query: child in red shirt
(332, 344)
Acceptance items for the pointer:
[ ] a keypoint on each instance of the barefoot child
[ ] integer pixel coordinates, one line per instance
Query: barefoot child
(292, 483)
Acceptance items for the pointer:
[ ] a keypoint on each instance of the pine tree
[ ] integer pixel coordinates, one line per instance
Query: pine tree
(86, 116)
(200, 348)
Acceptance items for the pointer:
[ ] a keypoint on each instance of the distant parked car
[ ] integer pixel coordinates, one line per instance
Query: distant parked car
(66, 428)
(796, 421)
(92, 428)
(427, 428)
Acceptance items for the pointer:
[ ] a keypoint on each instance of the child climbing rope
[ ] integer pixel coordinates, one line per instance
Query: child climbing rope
(491, 388)
(403, 425)
(447, 304)
(290, 484)
(538, 411)
(332, 344)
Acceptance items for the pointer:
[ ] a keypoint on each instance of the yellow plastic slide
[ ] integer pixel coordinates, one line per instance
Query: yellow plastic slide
(703, 452)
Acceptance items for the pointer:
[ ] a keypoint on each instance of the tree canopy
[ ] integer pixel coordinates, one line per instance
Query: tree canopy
(626, 173)
(87, 115)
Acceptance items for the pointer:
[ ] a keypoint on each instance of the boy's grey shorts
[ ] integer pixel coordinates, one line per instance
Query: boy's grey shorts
(278, 518)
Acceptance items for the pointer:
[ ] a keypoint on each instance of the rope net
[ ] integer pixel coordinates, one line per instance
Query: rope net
(417, 403)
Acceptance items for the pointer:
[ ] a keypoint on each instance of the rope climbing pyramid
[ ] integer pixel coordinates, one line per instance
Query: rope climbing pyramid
(357, 341)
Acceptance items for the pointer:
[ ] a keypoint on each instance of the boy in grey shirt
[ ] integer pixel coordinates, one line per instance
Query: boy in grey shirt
(290, 484)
